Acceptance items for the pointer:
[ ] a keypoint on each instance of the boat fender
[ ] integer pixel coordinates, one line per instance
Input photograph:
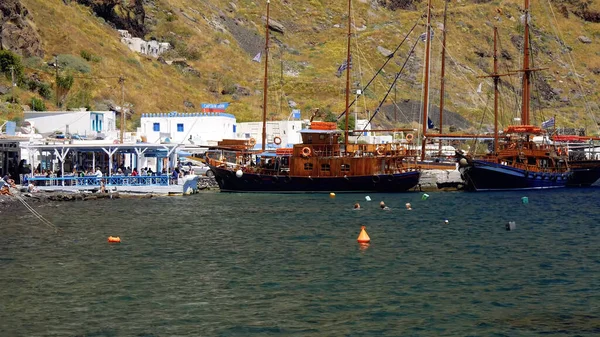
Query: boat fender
(511, 226)
(375, 178)
(306, 151)
(390, 177)
(275, 179)
(239, 173)
(526, 174)
(277, 140)
(346, 177)
(287, 179)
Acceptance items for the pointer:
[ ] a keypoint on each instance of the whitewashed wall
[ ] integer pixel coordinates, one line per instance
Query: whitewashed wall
(288, 131)
(203, 128)
(79, 122)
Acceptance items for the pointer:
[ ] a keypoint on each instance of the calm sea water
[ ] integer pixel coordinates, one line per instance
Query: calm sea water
(221, 264)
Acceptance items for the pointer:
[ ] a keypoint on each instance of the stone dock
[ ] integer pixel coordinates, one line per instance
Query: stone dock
(441, 180)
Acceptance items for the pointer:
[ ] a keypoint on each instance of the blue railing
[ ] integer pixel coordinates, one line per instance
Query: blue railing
(162, 180)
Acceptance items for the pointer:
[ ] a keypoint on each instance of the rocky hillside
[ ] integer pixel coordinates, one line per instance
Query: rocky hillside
(214, 42)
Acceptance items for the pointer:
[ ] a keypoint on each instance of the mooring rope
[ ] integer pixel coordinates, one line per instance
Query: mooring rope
(37, 215)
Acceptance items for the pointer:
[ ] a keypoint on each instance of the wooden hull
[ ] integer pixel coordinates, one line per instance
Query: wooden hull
(252, 182)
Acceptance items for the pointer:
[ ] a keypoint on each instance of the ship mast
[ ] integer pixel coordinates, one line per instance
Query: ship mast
(442, 77)
(348, 78)
(265, 80)
(496, 81)
(426, 81)
(526, 70)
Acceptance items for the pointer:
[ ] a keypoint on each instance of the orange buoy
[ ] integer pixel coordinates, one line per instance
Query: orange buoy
(115, 239)
(363, 237)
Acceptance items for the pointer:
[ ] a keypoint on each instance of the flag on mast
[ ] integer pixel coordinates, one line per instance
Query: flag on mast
(343, 67)
(548, 124)
(257, 57)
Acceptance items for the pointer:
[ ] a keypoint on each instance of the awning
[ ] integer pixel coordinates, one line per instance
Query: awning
(267, 154)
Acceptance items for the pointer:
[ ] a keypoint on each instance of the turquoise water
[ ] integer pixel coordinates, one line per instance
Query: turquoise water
(221, 264)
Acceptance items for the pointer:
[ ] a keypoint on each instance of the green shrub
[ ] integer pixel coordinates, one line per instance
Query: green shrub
(32, 62)
(86, 55)
(134, 62)
(44, 90)
(32, 85)
(37, 104)
(9, 59)
(67, 61)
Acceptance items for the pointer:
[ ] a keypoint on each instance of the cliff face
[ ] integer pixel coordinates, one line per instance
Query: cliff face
(130, 15)
(214, 42)
(17, 32)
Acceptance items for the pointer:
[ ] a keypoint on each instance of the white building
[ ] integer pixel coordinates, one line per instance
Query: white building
(81, 122)
(136, 44)
(197, 128)
(287, 131)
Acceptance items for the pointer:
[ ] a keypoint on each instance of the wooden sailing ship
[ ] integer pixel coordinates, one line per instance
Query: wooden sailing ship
(517, 161)
(321, 163)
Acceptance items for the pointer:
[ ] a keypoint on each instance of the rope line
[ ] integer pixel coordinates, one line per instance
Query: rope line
(38, 215)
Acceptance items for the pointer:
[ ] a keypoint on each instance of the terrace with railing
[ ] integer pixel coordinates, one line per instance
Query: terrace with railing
(94, 181)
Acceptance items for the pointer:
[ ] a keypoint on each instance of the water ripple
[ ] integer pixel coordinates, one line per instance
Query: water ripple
(258, 264)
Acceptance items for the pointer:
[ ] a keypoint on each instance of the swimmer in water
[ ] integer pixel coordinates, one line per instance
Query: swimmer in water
(357, 206)
(383, 206)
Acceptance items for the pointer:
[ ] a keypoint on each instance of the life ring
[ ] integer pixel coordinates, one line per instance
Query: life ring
(409, 137)
(306, 151)
(277, 140)
(252, 141)
(380, 150)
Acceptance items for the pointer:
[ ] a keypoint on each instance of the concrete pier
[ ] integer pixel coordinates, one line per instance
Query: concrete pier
(441, 180)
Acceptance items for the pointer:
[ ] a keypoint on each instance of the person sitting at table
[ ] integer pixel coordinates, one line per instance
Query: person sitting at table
(31, 188)
(9, 181)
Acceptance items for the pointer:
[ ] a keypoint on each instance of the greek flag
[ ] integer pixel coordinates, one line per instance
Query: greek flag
(423, 36)
(430, 124)
(343, 67)
(548, 124)
(257, 57)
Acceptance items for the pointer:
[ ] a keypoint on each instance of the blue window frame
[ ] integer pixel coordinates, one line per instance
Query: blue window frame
(179, 127)
(156, 127)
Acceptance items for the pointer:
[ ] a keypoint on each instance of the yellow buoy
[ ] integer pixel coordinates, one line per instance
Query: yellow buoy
(363, 237)
(114, 239)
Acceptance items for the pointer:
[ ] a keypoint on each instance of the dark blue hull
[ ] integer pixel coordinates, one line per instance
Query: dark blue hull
(251, 182)
(584, 173)
(485, 176)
